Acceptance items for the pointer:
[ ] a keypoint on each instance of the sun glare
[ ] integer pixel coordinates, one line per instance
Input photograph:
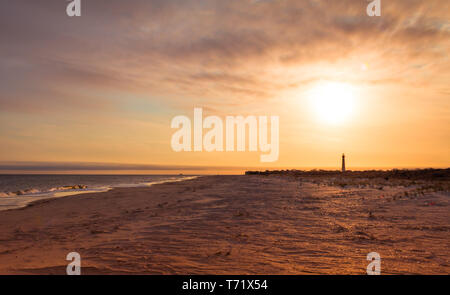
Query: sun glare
(333, 102)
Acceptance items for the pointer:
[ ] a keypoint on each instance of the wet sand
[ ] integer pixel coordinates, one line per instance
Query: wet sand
(232, 225)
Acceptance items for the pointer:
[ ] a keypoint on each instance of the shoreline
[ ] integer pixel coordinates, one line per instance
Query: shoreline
(230, 225)
(43, 196)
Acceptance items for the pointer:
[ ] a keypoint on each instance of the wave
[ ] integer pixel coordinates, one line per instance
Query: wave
(35, 191)
(38, 192)
(68, 187)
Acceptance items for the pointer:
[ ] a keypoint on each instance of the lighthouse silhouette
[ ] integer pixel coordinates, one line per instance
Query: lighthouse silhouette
(343, 162)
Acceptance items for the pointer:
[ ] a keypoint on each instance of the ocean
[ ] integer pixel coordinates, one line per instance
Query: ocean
(17, 191)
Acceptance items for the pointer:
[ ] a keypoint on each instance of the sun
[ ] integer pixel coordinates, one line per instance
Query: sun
(333, 102)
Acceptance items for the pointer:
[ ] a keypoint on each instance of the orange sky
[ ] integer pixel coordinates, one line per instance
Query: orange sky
(104, 87)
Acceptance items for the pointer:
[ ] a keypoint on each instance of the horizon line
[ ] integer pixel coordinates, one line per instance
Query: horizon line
(22, 167)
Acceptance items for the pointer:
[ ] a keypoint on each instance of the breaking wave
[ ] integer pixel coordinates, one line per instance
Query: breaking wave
(35, 191)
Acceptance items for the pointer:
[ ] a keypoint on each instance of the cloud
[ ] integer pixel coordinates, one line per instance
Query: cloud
(229, 48)
(89, 87)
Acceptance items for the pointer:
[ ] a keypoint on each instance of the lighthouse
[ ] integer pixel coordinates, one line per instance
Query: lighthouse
(343, 163)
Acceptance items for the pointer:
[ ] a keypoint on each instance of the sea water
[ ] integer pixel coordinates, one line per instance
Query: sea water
(18, 190)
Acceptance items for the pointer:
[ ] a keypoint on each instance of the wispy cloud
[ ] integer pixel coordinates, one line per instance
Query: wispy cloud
(231, 45)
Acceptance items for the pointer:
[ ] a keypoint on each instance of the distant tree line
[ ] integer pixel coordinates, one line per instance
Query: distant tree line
(412, 174)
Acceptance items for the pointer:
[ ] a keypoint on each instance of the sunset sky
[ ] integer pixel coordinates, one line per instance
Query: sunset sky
(104, 87)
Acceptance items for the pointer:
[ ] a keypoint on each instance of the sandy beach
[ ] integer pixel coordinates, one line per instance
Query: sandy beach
(246, 224)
